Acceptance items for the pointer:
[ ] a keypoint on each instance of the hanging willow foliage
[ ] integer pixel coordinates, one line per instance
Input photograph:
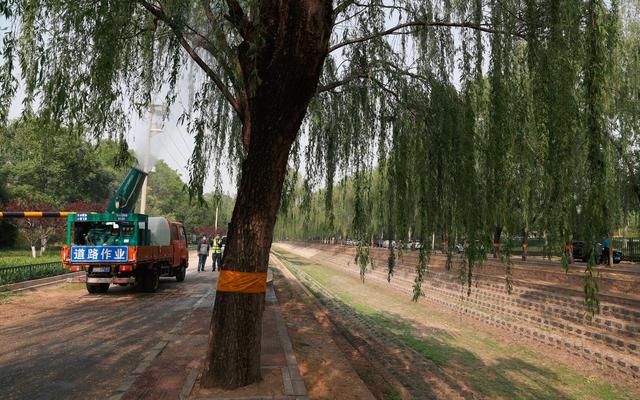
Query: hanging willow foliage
(467, 120)
(513, 147)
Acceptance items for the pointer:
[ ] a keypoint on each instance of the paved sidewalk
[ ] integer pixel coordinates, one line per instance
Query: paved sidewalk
(172, 369)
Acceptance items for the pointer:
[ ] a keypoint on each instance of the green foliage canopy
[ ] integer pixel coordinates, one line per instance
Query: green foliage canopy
(45, 163)
(478, 117)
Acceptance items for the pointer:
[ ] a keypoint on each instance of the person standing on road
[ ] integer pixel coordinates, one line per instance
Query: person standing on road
(203, 252)
(216, 253)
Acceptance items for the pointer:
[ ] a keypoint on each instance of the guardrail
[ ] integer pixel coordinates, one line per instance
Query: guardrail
(32, 271)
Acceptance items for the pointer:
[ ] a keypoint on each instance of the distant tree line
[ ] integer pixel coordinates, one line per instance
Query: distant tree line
(45, 167)
(169, 197)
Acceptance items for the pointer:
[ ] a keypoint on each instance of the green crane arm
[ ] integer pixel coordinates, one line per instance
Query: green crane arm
(125, 198)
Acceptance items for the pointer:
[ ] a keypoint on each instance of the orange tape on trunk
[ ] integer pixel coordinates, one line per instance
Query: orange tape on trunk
(242, 282)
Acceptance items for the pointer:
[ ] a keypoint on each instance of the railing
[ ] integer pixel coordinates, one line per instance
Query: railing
(32, 271)
(630, 248)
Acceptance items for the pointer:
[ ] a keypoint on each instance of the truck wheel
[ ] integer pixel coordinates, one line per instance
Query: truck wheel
(92, 288)
(150, 280)
(182, 272)
(155, 280)
(103, 287)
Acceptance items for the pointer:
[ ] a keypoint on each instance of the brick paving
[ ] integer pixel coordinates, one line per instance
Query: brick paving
(172, 369)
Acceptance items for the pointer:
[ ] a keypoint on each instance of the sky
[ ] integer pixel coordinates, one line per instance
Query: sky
(170, 141)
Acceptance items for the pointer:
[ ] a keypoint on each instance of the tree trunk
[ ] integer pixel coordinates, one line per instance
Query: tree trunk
(295, 42)
(525, 244)
(43, 244)
(610, 261)
(496, 240)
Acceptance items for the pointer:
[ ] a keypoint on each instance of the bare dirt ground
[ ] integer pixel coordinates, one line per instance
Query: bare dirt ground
(351, 340)
(320, 349)
(432, 352)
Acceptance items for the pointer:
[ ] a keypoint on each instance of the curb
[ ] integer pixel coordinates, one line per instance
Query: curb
(37, 283)
(318, 309)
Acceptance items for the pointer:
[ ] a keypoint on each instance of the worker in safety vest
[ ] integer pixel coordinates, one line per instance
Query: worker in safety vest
(203, 251)
(216, 253)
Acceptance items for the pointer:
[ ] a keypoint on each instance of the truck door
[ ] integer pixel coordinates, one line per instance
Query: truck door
(175, 245)
(184, 253)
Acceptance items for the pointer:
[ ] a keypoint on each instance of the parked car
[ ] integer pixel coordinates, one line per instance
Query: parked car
(602, 254)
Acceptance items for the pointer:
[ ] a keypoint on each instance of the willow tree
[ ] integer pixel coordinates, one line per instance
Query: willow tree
(369, 82)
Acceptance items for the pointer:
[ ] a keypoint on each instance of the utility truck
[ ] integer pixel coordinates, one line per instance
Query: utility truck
(125, 248)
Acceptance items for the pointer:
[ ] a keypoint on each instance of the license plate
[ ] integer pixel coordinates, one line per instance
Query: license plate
(101, 269)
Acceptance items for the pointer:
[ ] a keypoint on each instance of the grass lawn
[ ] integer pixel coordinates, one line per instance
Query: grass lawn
(492, 368)
(13, 258)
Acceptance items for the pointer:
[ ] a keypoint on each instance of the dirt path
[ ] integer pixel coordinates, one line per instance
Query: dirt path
(319, 351)
(435, 353)
(62, 343)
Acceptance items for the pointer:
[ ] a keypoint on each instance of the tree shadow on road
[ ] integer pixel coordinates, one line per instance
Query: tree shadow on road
(82, 346)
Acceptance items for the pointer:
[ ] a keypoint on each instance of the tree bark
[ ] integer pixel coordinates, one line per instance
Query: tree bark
(496, 240)
(610, 260)
(294, 43)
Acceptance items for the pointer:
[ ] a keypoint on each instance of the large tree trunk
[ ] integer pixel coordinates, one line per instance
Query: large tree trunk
(288, 67)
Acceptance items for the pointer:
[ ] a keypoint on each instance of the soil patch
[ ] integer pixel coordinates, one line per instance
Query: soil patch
(324, 369)
(445, 346)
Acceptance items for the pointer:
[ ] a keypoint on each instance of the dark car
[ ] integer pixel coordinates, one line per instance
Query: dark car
(601, 253)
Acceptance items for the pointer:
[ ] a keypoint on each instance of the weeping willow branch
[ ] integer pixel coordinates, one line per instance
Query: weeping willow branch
(468, 25)
(238, 18)
(369, 74)
(336, 84)
(633, 178)
(343, 6)
(209, 12)
(160, 14)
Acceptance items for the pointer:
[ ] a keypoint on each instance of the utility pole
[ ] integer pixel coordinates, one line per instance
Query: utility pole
(216, 224)
(150, 130)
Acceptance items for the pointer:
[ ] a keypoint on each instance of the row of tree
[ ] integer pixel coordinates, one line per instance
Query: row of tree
(545, 142)
(44, 167)
(482, 113)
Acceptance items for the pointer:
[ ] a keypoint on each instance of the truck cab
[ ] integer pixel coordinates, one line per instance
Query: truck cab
(125, 249)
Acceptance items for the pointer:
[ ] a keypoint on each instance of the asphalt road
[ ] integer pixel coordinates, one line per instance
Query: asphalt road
(62, 343)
